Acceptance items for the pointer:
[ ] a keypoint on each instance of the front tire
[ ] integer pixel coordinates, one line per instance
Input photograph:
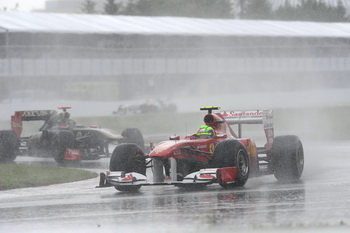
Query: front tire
(128, 158)
(286, 158)
(61, 140)
(232, 153)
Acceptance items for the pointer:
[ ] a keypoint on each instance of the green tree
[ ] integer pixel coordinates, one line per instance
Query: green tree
(131, 8)
(327, 13)
(239, 7)
(185, 8)
(257, 9)
(111, 8)
(309, 10)
(287, 12)
(213, 9)
(340, 13)
(88, 7)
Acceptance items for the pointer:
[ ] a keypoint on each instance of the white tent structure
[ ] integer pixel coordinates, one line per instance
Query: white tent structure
(82, 23)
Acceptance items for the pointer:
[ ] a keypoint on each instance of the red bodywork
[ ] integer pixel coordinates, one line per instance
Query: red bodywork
(72, 154)
(16, 123)
(34, 115)
(200, 149)
(225, 175)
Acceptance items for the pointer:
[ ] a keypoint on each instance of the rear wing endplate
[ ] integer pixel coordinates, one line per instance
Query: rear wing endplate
(264, 117)
(30, 115)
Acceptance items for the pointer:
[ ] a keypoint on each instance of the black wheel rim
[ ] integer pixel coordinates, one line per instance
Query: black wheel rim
(242, 163)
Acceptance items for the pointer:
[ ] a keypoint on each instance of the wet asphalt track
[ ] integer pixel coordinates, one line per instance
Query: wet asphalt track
(320, 202)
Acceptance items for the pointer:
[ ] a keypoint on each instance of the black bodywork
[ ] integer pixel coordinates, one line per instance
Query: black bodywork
(59, 133)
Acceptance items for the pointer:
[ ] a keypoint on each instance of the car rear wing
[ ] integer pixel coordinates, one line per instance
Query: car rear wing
(264, 117)
(28, 115)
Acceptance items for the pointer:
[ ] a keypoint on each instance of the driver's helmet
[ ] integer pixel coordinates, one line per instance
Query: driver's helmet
(206, 131)
(60, 116)
(66, 115)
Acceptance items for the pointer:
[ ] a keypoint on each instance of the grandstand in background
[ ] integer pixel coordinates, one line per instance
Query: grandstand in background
(100, 57)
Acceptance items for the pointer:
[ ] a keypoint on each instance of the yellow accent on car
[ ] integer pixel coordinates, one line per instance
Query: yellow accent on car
(212, 148)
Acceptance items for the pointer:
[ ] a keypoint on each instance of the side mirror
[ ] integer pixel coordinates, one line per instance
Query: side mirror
(176, 138)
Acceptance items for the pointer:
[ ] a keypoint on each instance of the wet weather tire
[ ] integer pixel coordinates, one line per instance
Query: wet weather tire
(9, 146)
(232, 153)
(286, 158)
(128, 157)
(61, 140)
(133, 135)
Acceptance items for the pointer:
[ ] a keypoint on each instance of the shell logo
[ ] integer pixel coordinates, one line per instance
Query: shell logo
(79, 134)
(212, 148)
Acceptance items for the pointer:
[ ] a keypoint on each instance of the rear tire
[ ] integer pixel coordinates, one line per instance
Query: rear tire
(286, 158)
(232, 153)
(9, 146)
(133, 135)
(128, 158)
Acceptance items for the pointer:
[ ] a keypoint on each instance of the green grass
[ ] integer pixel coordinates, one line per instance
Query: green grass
(14, 176)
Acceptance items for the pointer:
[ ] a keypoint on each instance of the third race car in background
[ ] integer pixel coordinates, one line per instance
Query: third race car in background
(198, 160)
(151, 105)
(61, 138)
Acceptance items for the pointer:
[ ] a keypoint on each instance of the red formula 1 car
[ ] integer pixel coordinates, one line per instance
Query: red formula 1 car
(224, 158)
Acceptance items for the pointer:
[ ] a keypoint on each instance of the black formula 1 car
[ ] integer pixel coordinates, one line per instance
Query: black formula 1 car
(222, 157)
(61, 138)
